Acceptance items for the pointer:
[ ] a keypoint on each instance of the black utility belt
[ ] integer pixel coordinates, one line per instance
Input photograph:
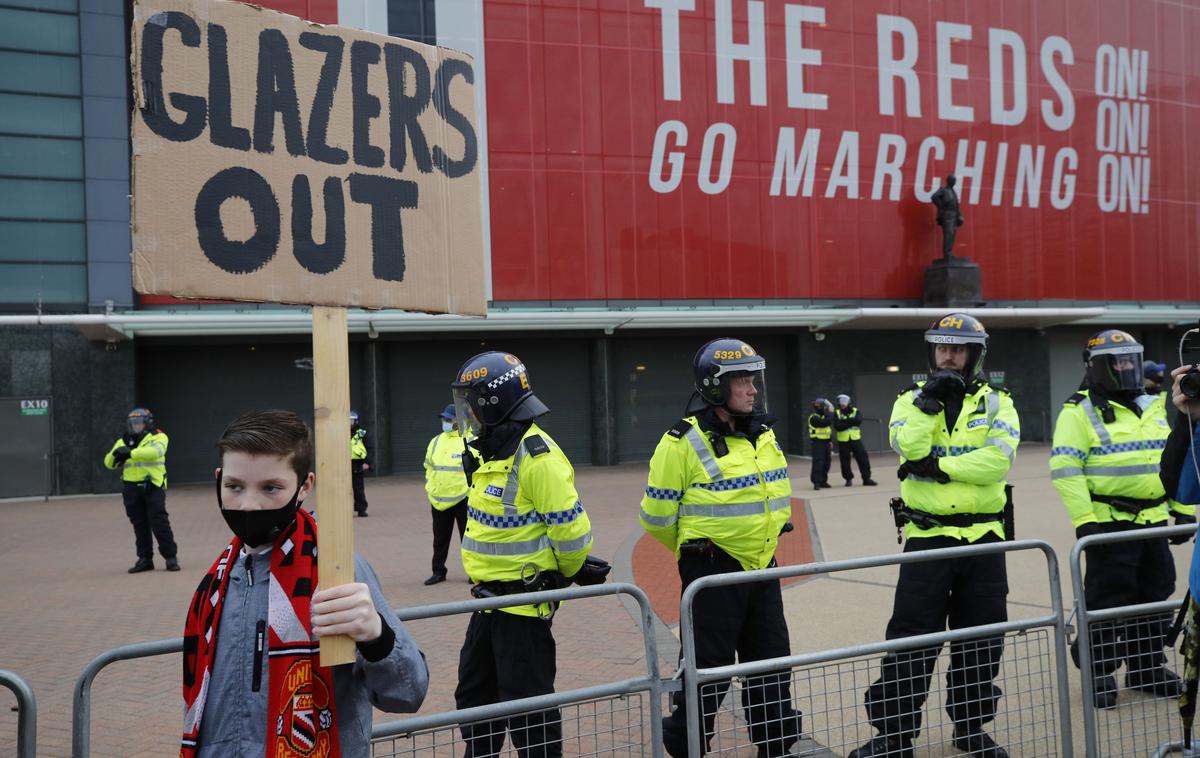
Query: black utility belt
(1130, 505)
(545, 580)
(926, 520)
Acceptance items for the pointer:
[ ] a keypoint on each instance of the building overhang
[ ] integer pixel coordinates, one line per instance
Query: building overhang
(222, 321)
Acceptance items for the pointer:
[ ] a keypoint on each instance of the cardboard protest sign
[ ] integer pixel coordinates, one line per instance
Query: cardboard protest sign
(278, 160)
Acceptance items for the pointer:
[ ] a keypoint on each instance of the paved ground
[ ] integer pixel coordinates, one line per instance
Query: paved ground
(66, 597)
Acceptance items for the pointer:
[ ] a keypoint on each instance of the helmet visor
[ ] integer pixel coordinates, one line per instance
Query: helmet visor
(1122, 372)
(745, 391)
(135, 424)
(463, 414)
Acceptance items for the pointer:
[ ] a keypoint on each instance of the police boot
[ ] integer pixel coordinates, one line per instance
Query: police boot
(143, 564)
(870, 482)
(1105, 694)
(172, 564)
(881, 747)
(978, 743)
(1159, 681)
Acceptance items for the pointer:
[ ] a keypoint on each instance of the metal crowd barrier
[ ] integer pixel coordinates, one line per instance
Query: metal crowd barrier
(1035, 718)
(605, 719)
(1140, 724)
(81, 713)
(26, 713)
(608, 719)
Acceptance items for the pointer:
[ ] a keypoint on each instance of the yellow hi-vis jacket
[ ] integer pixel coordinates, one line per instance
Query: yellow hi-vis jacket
(739, 500)
(819, 432)
(524, 510)
(977, 455)
(1118, 459)
(358, 448)
(147, 461)
(445, 482)
(850, 433)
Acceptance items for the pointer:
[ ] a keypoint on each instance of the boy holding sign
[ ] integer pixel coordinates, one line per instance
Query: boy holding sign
(262, 690)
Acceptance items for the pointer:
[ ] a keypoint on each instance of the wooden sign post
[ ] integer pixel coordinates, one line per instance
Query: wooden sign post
(268, 167)
(331, 415)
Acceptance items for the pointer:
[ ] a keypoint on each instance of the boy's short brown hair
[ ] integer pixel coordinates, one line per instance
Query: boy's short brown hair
(270, 432)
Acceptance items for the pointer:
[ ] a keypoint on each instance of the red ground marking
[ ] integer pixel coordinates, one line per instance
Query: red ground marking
(654, 568)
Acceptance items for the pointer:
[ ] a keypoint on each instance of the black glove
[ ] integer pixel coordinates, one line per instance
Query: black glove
(1180, 520)
(942, 383)
(593, 571)
(121, 454)
(925, 467)
(1087, 530)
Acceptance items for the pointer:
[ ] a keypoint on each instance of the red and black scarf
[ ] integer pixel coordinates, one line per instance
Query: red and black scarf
(301, 717)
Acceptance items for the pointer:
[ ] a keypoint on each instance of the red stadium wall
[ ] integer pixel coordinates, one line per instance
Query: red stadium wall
(576, 100)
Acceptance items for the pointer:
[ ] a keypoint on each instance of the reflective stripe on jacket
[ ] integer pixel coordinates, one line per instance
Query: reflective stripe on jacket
(524, 510)
(445, 482)
(850, 433)
(977, 455)
(819, 432)
(147, 461)
(358, 448)
(739, 500)
(1117, 459)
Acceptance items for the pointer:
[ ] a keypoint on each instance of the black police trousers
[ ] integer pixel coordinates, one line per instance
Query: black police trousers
(1128, 573)
(360, 492)
(443, 527)
(746, 619)
(821, 462)
(507, 657)
(968, 591)
(146, 507)
(859, 451)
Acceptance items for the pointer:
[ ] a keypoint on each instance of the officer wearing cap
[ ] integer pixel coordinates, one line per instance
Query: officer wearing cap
(820, 433)
(1153, 381)
(360, 461)
(446, 488)
(141, 454)
(526, 531)
(718, 496)
(1108, 445)
(847, 420)
(957, 437)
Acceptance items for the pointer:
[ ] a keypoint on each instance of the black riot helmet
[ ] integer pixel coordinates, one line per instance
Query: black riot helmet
(139, 420)
(719, 364)
(492, 388)
(958, 329)
(1114, 361)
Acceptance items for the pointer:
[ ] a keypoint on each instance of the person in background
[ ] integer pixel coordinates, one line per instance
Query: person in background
(847, 422)
(446, 488)
(820, 433)
(360, 461)
(141, 454)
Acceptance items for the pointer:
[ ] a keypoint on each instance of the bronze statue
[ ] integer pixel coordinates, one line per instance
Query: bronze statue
(948, 215)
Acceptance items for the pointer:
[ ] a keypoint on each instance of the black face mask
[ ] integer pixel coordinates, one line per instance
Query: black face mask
(255, 528)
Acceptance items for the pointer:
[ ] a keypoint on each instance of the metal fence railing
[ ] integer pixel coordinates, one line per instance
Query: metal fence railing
(26, 713)
(623, 717)
(1034, 713)
(81, 711)
(1128, 720)
(617, 718)
(608, 719)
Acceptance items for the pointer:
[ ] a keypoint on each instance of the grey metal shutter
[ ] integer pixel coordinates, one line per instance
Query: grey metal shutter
(195, 390)
(652, 381)
(420, 374)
